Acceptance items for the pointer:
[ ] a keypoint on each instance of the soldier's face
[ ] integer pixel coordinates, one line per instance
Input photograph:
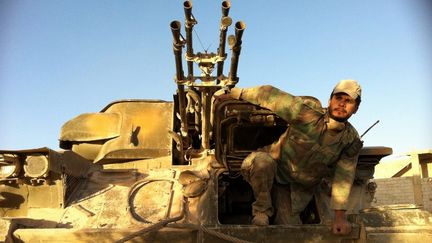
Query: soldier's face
(341, 107)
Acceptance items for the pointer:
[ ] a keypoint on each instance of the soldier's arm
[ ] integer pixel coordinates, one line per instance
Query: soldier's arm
(344, 175)
(342, 183)
(283, 104)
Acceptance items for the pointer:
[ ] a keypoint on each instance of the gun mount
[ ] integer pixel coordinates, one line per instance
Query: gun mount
(194, 93)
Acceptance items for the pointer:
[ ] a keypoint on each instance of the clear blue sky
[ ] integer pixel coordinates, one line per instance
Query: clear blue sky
(59, 59)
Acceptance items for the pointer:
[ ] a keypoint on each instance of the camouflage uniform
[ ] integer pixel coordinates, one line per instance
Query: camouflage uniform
(305, 154)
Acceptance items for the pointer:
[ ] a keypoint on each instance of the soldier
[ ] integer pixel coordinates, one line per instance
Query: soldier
(319, 143)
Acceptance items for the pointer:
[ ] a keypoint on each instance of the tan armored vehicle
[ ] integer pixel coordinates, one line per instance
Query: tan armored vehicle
(157, 171)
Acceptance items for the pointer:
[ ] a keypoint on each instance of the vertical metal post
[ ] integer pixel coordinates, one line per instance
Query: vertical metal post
(416, 179)
(205, 118)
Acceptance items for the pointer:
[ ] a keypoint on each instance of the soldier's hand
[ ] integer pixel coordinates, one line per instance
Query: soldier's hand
(340, 225)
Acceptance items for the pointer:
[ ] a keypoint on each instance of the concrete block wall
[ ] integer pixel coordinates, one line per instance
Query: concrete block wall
(400, 190)
(427, 193)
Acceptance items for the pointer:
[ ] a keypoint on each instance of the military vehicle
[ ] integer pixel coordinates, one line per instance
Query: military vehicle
(158, 171)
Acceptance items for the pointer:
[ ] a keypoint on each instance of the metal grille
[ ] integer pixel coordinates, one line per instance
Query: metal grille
(71, 185)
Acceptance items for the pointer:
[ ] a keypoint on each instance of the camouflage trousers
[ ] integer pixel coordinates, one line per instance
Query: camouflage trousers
(285, 201)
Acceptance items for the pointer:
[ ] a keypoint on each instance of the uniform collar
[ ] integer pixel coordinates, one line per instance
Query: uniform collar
(332, 124)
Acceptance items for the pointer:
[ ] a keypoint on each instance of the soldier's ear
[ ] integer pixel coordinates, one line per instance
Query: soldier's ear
(356, 108)
(331, 96)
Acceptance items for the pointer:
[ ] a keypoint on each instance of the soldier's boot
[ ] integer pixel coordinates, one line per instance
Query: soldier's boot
(260, 219)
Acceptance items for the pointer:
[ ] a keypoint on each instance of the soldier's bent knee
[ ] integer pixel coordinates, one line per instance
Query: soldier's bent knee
(257, 162)
(264, 162)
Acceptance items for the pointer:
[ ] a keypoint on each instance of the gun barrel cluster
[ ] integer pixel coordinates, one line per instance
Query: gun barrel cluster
(206, 62)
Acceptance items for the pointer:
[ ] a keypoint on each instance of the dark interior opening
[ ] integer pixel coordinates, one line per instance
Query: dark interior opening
(250, 138)
(235, 198)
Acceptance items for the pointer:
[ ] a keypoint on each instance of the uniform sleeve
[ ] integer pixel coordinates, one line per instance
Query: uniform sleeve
(283, 104)
(344, 176)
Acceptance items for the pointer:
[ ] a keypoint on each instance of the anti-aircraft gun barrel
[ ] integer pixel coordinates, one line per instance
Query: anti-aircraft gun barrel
(236, 48)
(189, 23)
(226, 5)
(225, 22)
(177, 47)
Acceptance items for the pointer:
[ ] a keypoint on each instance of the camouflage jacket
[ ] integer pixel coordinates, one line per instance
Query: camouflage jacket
(308, 151)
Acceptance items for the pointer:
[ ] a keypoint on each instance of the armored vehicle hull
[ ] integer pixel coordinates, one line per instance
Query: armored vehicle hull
(118, 193)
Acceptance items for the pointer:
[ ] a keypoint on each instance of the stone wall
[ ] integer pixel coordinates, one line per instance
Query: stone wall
(427, 193)
(400, 190)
